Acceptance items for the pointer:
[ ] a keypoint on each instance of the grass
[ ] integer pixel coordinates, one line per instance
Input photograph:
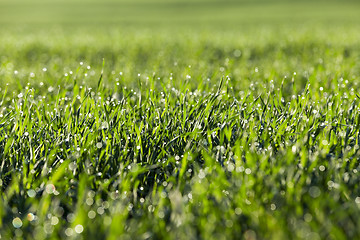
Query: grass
(182, 133)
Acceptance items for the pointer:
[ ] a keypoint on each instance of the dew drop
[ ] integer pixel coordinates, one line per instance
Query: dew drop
(17, 223)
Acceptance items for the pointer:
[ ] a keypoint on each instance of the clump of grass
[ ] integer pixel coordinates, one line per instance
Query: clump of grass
(270, 151)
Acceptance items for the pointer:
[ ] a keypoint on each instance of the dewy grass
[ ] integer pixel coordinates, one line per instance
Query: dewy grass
(180, 138)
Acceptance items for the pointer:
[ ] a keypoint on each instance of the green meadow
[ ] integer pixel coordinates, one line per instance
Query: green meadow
(179, 119)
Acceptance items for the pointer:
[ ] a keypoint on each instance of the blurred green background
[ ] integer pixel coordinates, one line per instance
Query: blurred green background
(164, 14)
(138, 36)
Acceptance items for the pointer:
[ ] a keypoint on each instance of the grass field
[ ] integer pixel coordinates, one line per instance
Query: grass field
(179, 120)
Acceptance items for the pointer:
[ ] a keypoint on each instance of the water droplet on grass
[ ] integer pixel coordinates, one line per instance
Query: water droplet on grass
(30, 217)
(54, 221)
(31, 193)
(237, 53)
(69, 232)
(238, 211)
(79, 228)
(17, 223)
(201, 174)
(161, 214)
(273, 207)
(91, 214)
(307, 217)
(314, 192)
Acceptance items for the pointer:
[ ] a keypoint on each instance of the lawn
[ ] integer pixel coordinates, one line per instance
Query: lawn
(179, 119)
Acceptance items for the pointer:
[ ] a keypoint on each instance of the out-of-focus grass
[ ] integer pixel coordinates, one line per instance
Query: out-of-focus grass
(276, 52)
